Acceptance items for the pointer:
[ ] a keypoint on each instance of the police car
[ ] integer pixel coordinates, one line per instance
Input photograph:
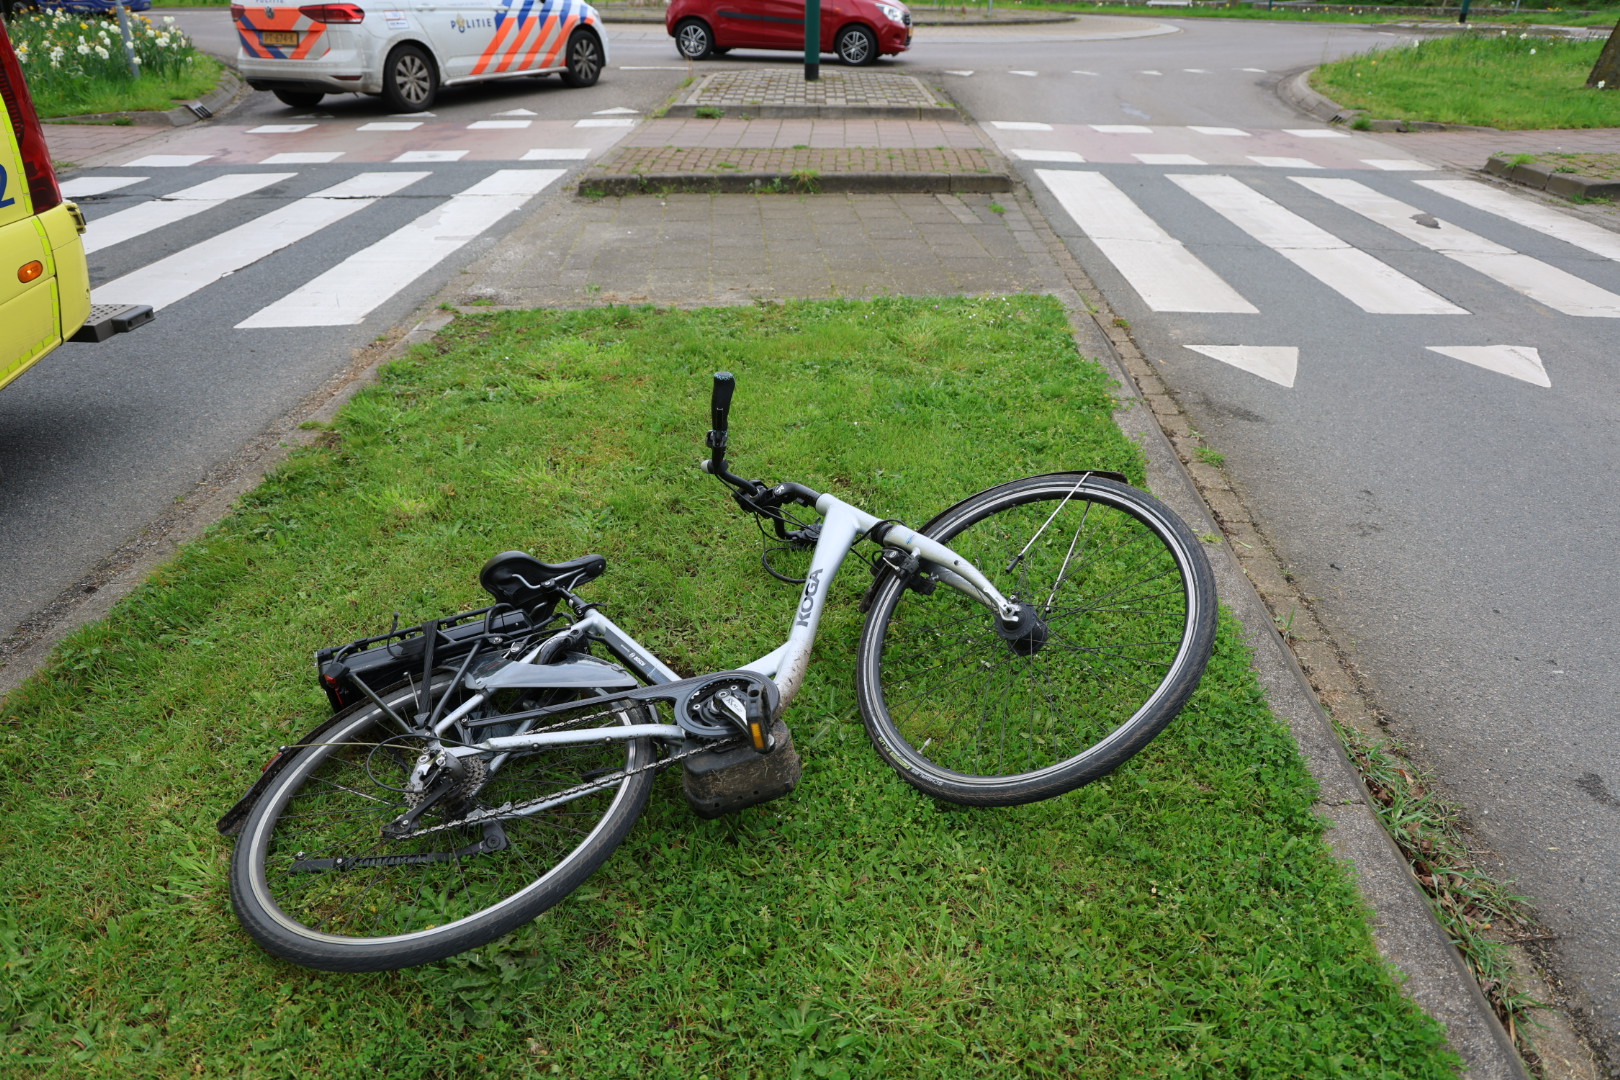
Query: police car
(405, 50)
(44, 278)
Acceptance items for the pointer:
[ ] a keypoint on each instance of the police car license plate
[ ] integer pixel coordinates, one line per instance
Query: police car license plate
(281, 37)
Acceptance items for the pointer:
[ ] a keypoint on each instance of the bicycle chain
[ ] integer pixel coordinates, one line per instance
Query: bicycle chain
(511, 810)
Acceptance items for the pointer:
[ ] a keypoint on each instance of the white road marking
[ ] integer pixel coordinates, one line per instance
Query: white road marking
(312, 157)
(498, 125)
(1284, 162)
(651, 67)
(351, 290)
(1166, 275)
(518, 112)
(1150, 73)
(166, 161)
(1026, 74)
(1397, 164)
(605, 122)
(570, 153)
(183, 273)
(1068, 157)
(1519, 361)
(420, 156)
(1257, 71)
(1532, 277)
(143, 218)
(1218, 131)
(390, 125)
(84, 186)
(1121, 129)
(1316, 133)
(1277, 363)
(617, 110)
(411, 115)
(1019, 125)
(279, 129)
(1196, 71)
(1357, 276)
(964, 74)
(1169, 159)
(1093, 74)
(1542, 219)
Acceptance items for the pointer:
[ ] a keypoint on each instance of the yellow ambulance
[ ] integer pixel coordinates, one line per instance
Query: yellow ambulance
(44, 280)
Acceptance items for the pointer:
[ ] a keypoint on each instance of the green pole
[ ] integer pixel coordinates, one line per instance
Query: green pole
(129, 41)
(812, 40)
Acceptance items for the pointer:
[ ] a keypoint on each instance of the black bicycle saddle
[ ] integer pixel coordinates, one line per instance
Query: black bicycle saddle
(520, 579)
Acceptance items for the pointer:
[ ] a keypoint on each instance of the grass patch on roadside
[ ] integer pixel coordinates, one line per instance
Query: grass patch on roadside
(1492, 80)
(76, 66)
(1356, 13)
(1183, 917)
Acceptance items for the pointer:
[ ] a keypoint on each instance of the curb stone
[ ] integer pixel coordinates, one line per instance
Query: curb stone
(1544, 178)
(687, 110)
(230, 88)
(753, 183)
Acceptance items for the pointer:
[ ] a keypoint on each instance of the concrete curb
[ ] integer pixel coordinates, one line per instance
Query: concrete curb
(1296, 90)
(1544, 178)
(632, 18)
(688, 111)
(1406, 930)
(754, 183)
(229, 89)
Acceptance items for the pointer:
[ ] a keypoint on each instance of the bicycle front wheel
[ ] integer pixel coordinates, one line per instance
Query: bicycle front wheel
(317, 880)
(1122, 607)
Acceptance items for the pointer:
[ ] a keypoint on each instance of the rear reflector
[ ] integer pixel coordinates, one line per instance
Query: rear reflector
(42, 189)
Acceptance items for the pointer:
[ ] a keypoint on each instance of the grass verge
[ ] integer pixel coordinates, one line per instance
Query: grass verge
(76, 64)
(1496, 80)
(1183, 917)
(1345, 13)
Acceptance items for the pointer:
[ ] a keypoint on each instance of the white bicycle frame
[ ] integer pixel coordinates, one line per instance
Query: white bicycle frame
(842, 525)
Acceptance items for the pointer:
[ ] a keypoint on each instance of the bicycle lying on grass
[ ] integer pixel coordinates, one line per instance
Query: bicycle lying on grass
(478, 768)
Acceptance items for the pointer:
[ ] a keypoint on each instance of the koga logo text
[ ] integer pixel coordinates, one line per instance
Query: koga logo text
(812, 585)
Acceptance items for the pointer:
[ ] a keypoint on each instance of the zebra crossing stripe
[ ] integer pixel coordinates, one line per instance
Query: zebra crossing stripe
(1540, 282)
(1352, 273)
(81, 187)
(1531, 215)
(351, 290)
(145, 217)
(183, 273)
(1166, 275)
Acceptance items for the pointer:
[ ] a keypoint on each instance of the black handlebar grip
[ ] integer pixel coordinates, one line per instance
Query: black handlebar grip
(720, 404)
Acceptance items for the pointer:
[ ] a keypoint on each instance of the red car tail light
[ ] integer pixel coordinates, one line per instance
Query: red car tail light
(42, 189)
(333, 13)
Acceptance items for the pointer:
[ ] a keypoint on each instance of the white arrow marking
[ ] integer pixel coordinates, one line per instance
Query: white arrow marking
(1026, 74)
(964, 74)
(616, 110)
(1519, 361)
(1278, 363)
(517, 112)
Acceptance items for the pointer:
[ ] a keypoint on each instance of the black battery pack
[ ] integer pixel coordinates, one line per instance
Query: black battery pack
(722, 782)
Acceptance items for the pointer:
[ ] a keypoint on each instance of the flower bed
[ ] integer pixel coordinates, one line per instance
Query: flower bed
(75, 64)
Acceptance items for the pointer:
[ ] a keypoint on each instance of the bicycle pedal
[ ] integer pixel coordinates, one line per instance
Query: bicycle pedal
(723, 782)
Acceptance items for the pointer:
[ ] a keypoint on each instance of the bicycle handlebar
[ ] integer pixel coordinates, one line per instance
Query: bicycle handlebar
(725, 384)
(751, 495)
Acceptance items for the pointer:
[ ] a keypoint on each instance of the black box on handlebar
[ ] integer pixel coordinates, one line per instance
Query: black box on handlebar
(723, 782)
(393, 657)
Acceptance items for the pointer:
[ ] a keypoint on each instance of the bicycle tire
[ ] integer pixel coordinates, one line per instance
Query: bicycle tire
(331, 801)
(1128, 602)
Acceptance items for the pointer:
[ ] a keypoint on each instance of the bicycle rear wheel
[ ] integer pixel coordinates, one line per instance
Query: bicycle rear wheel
(315, 881)
(1125, 606)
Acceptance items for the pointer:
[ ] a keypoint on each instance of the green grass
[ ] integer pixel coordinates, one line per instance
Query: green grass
(1182, 918)
(67, 82)
(1493, 80)
(1349, 13)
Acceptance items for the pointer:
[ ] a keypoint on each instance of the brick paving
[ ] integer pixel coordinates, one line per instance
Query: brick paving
(1471, 149)
(833, 88)
(812, 132)
(84, 144)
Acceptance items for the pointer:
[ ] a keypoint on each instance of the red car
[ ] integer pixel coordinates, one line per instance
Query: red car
(859, 31)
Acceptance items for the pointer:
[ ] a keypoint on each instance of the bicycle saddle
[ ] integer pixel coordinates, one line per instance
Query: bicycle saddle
(520, 579)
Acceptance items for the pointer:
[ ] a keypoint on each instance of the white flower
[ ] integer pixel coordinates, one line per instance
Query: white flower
(136, 59)
(102, 52)
(83, 49)
(1521, 36)
(1532, 52)
(1600, 84)
(168, 20)
(163, 41)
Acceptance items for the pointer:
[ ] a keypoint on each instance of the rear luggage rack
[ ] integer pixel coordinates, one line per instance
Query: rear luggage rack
(346, 671)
